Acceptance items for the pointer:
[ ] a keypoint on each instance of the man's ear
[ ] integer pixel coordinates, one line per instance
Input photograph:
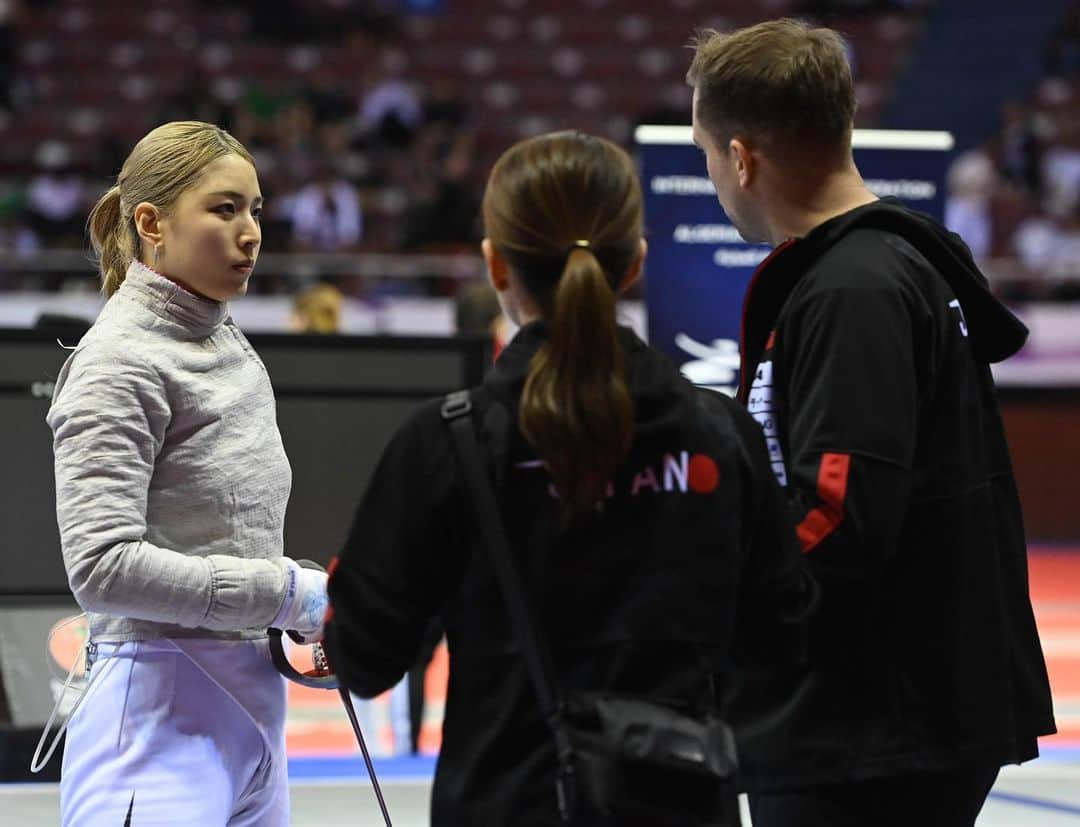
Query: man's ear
(496, 266)
(148, 223)
(744, 161)
(633, 272)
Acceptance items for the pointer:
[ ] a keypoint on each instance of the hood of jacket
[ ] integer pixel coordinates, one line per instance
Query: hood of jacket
(994, 331)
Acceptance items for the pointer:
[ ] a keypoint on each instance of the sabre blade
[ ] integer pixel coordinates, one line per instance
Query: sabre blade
(346, 699)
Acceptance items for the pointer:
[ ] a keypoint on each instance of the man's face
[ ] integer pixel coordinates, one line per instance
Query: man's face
(721, 163)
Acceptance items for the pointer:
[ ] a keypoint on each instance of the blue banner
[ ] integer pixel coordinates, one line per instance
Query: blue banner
(698, 267)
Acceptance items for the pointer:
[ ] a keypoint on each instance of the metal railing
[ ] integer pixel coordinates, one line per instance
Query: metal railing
(301, 266)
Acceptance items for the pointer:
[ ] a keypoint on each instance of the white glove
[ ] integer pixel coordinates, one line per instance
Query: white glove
(304, 606)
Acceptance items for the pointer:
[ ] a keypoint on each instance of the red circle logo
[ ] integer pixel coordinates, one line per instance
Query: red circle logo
(703, 473)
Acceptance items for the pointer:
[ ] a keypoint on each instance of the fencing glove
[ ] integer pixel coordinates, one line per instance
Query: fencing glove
(303, 608)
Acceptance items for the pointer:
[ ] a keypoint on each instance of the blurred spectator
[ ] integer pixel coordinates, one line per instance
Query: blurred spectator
(1020, 203)
(443, 206)
(56, 196)
(290, 21)
(1049, 249)
(1061, 171)
(329, 103)
(826, 9)
(349, 162)
(476, 307)
(971, 182)
(326, 214)
(295, 150)
(10, 12)
(301, 82)
(477, 312)
(390, 110)
(1020, 150)
(1065, 268)
(317, 310)
(1035, 242)
(194, 104)
(17, 238)
(444, 104)
(1063, 52)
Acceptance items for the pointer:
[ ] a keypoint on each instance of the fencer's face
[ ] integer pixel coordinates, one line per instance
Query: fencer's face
(211, 236)
(722, 163)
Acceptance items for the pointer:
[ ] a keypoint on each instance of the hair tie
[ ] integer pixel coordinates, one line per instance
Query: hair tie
(580, 244)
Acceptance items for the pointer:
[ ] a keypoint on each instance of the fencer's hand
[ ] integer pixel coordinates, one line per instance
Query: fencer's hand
(304, 605)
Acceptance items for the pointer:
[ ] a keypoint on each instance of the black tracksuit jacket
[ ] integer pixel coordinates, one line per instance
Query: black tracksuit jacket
(865, 357)
(691, 566)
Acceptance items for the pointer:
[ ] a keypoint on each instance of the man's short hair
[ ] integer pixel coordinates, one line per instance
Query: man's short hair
(781, 80)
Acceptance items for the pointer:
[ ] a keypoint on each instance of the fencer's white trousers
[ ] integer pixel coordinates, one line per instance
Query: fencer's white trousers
(178, 732)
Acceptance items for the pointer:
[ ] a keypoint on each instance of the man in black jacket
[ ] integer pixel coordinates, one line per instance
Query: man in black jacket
(867, 338)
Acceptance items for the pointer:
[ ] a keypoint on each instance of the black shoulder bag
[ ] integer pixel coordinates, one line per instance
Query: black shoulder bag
(627, 758)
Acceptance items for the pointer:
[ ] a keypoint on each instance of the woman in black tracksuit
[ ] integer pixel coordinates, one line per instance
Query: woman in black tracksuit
(641, 512)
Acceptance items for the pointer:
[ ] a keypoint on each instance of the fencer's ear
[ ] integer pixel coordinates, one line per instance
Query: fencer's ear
(496, 266)
(148, 223)
(744, 161)
(633, 272)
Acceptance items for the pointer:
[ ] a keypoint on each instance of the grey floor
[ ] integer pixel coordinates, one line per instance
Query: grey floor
(1037, 795)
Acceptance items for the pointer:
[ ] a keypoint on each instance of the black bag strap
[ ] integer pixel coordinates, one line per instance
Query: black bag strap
(457, 411)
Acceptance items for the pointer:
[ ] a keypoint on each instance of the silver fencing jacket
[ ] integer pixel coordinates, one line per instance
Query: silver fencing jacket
(171, 478)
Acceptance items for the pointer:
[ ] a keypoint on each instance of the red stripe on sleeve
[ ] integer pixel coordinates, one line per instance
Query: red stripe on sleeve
(831, 490)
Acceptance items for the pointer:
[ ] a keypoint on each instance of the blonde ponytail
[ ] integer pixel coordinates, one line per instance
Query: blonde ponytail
(114, 239)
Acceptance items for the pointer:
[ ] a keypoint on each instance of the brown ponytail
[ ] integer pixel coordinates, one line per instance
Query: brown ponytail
(547, 196)
(576, 408)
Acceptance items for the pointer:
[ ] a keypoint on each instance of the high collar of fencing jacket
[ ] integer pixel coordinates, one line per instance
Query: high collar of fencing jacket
(171, 302)
(995, 332)
(657, 388)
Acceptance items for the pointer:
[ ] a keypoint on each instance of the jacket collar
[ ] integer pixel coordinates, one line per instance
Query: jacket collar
(169, 301)
(658, 389)
(995, 332)
(512, 366)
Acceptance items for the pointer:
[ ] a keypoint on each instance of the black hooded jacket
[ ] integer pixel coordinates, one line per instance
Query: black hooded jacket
(690, 567)
(865, 357)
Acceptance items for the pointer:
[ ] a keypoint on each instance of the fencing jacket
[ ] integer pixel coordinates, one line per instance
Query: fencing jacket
(171, 478)
(691, 566)
(865, 356)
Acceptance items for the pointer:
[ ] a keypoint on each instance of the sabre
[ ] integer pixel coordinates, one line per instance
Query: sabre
(321, 676)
